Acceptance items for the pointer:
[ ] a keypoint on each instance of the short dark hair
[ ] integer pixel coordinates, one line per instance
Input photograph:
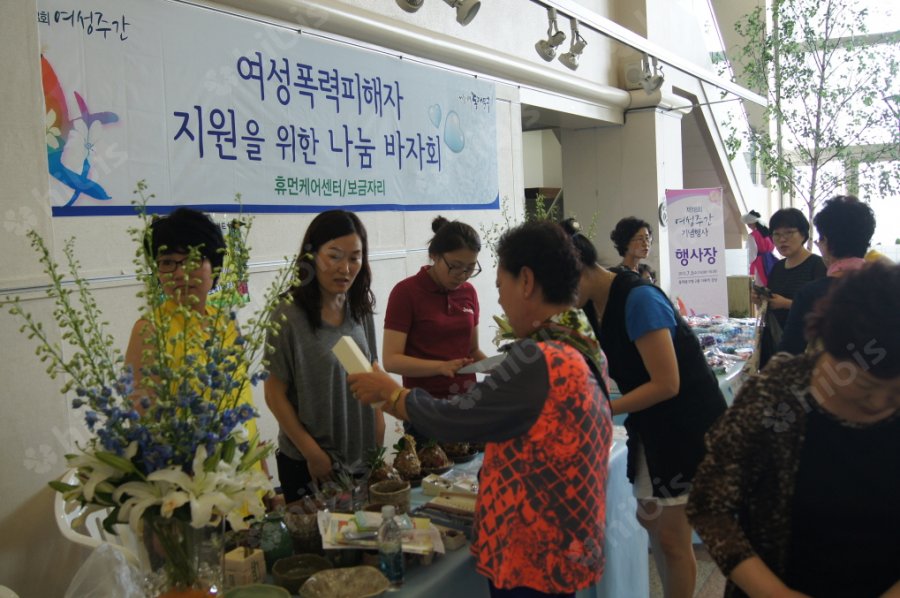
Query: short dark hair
(450, 236)
(790, 218)
(859, 318)
(328, 225)
(625, 230)
(184, 229)
(586, 250)
(546, 249)
(642, 268)
(847, 225)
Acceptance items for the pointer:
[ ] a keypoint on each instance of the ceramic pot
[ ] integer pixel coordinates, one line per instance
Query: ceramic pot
(391, 492)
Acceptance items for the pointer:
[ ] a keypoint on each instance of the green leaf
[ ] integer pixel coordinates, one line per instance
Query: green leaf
(120, 463)
(61, 487)
(111, 520)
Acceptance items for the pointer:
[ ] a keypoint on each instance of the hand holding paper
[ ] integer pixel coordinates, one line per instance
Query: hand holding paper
(372, 388)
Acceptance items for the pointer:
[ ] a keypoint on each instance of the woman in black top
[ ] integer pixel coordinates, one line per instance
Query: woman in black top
(790, 231)
(669, 393)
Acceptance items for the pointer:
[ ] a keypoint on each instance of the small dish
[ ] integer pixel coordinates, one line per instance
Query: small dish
(353, 582)
(292, 572)
(257, 590)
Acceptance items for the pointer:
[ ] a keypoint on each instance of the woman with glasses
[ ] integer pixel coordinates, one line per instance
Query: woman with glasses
(633, 239)
(845, 226)
(431, 322)
(189, 250)
(321, 428)
(790, 232)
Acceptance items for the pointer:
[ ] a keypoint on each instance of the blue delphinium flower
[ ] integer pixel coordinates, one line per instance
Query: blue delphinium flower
(91, 418)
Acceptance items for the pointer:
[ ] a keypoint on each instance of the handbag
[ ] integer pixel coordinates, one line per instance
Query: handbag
(766, 324)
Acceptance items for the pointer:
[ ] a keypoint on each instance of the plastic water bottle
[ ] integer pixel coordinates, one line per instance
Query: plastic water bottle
(390, 544)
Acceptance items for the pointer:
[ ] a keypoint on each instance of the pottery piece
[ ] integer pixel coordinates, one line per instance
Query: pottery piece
(292, 572)
(258, 590)
(352, 582)
(391, 492)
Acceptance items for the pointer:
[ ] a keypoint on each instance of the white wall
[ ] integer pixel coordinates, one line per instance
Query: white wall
(542, 154)
(34, 413)
(533, 158)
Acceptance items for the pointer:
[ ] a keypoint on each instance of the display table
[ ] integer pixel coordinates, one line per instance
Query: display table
(731, 381)
(453, 574)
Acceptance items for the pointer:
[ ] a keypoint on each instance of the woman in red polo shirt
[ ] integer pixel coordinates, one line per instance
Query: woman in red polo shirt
(431, 323)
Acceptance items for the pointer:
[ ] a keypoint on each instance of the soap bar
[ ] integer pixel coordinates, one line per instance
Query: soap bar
(351, 356)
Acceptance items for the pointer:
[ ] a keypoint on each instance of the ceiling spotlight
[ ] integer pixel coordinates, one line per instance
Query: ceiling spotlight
(652, 79)
(465, 9)
(410, 5)
(546, 48)
(576, 47)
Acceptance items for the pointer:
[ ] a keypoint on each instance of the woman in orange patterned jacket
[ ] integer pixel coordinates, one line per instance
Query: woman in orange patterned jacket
(540, 515)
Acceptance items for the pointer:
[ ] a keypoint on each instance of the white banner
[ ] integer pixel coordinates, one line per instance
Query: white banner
(696, 224)
(203, 105)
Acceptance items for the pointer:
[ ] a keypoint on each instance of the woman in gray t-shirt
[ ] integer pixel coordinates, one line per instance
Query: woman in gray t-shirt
(320, 425)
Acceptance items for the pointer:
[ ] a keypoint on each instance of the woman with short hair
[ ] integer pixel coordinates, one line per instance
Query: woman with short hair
(790, 232)
(540, 513)
(798, 493)
(632, 238)
(845, 226)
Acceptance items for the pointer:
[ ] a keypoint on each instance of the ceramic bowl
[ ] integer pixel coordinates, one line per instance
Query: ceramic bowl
(292, 572)
(257, 590)
(391, 492)
(352, 582)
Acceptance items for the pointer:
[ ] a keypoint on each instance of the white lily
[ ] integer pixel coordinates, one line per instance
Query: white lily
(171, 501)
(97, 471)
(142, 495)
(217, 493)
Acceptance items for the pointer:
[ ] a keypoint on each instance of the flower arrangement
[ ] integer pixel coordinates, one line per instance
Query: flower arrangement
(171, 439)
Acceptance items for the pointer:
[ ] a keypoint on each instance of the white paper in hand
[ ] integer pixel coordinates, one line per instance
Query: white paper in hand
(351, 356)
(353, 359)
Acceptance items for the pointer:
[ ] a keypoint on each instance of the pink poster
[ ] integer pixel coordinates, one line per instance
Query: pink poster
(697, 251)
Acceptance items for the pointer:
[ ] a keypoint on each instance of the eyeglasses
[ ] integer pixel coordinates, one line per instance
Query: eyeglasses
(784, 235)
(167, 265)
(468, 271)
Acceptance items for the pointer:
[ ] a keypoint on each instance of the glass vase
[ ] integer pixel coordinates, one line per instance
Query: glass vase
(184, 562)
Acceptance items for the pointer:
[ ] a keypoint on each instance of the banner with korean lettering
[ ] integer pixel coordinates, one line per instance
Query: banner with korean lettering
(696, 223)
(204, 105)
